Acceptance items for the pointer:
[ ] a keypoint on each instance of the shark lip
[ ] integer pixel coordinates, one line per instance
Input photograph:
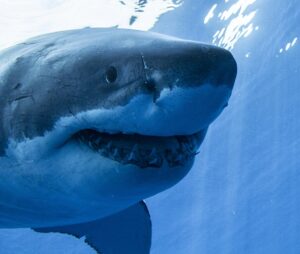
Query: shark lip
(141, 150)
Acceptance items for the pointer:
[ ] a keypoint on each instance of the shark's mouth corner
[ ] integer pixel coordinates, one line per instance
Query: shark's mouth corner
(141, 150)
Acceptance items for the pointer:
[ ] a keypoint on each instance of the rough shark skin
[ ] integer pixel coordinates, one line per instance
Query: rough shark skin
(93, 121)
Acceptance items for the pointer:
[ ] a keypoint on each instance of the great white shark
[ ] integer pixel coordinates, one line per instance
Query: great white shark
(94, 120)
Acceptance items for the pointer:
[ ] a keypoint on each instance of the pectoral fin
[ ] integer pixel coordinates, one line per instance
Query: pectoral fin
(128, 231)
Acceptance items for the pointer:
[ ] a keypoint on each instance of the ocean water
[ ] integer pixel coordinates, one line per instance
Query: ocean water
(242, 195)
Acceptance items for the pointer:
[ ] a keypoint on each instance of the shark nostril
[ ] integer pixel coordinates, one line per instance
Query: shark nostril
(152, 88)
(150, 85)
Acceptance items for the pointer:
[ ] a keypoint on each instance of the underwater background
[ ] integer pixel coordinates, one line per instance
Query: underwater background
(243, 193)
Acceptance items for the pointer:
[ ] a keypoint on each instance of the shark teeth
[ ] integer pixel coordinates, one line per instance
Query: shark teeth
(131, 157)
(143, 151)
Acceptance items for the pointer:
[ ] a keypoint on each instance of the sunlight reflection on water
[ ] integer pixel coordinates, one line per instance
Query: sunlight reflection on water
(237, 23)
(31, 18)
(289, 45)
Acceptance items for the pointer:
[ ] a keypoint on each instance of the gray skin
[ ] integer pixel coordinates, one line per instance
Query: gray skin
(47, 176)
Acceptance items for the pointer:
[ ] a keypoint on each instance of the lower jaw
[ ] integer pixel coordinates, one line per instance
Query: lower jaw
(143, 151)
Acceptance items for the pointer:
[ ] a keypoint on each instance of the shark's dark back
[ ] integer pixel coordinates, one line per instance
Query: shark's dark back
(41, 79)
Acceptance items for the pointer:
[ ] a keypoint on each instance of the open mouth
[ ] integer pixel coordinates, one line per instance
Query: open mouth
(142, 151)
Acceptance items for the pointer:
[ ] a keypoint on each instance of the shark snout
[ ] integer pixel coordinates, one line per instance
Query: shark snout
(191, 84)
(187, 65)
(220, 66)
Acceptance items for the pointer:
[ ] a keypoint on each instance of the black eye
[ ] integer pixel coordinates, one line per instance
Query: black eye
(111, 75)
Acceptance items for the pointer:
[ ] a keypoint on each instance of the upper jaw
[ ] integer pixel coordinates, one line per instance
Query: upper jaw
(67, 127)
(143, 151)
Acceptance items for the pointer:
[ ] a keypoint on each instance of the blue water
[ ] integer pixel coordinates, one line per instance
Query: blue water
(242, 195)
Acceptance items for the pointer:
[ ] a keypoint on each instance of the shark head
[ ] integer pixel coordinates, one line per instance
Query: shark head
(97, 119)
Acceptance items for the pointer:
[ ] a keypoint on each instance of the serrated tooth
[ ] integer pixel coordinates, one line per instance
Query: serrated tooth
(131, 156)
(154, 160)
(153, 152)
(115, 152)
(133, 153)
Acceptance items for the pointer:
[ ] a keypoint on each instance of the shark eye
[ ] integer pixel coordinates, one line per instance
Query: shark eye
(111, 75)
